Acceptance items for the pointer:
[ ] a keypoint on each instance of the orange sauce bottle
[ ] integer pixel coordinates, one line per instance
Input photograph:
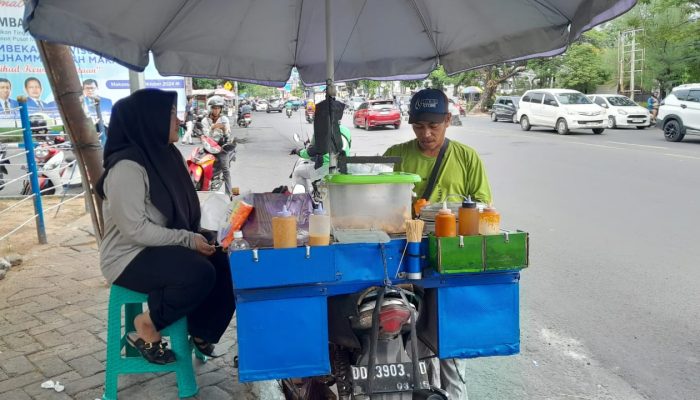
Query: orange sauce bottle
(445, 222)
(468, 218)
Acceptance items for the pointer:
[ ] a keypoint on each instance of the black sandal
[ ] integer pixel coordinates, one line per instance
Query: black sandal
(153, 352)
(203, 347)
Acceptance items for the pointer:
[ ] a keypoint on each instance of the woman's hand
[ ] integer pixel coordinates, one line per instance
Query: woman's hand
(203, 247)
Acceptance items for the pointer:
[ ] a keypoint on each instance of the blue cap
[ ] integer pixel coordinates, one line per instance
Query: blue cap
(428, 105)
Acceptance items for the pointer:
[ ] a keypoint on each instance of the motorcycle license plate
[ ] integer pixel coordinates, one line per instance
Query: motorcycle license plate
(389, 378)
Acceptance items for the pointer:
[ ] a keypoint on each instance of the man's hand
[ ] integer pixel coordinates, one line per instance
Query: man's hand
(203, 247)
(294, 152)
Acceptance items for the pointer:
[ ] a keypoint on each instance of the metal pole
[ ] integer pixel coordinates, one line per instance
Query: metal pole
(632, 62)
(136, 81)
(100, 122)
(330, 89)
(33, 171)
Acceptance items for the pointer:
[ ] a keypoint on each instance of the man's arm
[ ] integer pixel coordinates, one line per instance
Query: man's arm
(206, 126)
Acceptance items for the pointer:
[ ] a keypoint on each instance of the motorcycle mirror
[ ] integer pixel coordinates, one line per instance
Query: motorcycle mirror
(298, 189)
(297, 138)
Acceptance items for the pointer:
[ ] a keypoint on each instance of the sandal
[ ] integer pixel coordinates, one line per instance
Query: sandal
(153, 352)
(203, 347)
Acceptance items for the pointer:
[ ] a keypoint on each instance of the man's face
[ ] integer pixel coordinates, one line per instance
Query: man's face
(33, 89)
(215, 111)
(431, 135)
(4, 90)
(90, 90)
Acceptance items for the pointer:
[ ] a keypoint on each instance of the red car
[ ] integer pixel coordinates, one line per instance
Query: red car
(377, 113)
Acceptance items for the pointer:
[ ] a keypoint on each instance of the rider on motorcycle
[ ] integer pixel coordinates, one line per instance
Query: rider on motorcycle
(305, 174)
(245, 108)
(217, 126)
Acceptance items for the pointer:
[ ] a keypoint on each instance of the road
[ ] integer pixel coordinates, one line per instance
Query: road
(610, 306)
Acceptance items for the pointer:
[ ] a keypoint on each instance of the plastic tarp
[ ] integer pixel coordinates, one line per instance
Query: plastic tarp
(262, 40)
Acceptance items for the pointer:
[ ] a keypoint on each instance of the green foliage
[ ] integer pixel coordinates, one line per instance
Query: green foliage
(205, 83)
(582, 68)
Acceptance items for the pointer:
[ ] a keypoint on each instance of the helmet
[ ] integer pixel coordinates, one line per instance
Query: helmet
(215, 101)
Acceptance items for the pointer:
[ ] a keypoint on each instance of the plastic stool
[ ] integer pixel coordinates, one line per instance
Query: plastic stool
(133, 363)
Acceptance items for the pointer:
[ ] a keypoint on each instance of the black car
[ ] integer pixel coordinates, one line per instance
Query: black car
(276, 105)
(505, 108)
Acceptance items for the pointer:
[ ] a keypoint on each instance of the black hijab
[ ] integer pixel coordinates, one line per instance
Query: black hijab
(139, 130)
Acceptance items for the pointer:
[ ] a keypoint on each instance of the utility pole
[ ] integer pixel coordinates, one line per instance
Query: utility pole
(630, 62)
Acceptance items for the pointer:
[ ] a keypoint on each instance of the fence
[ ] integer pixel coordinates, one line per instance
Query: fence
(46, 170)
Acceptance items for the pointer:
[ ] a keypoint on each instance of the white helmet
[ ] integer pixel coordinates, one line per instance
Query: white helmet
(215, 101)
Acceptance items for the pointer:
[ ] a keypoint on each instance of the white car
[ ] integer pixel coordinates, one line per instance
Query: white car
(355, 102)
(261, 105)
(621, 111)
(679, 112)
(561, 109)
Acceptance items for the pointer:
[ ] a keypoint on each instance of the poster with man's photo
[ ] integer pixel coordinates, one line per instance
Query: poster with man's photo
(22, 74)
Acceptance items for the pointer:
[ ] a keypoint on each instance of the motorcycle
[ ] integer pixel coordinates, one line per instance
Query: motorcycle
(288, 111)
(245, 120)
(3, 160)
(310, 116)
(201, 164)
(382, 367)
(56, 169)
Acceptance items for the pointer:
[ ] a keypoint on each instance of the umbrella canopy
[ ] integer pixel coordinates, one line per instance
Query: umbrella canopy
(472, 89)
(261, 40)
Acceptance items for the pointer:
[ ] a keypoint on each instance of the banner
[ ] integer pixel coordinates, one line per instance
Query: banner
(22, 73)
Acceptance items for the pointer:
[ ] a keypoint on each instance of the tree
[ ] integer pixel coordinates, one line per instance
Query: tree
(494, 75)
(582, 68)
(206, 83)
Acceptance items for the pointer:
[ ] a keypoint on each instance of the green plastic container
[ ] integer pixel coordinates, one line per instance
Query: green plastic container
(473, 254)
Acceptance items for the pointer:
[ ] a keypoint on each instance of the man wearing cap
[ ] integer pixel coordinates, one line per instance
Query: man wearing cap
(460, 171)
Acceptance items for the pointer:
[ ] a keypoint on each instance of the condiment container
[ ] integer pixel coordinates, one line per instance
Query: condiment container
(445, 222)
(376, 202)
(489, 221)
(468, 218)
(319, 228)
(284, 230)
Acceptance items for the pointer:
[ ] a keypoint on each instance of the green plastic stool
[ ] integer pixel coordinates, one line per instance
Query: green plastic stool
(133, 363)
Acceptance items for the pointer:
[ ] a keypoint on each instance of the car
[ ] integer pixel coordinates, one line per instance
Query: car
(679, 112)
(261, 105)
(275, 105)
(621, 111)
(355, 102)
(505, 108)
(377, 113)
(561, 109)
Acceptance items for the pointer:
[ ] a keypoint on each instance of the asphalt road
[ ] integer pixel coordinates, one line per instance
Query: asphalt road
(610, 307)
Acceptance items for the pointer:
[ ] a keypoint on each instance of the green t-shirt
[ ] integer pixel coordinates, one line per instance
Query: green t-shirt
(462, 171)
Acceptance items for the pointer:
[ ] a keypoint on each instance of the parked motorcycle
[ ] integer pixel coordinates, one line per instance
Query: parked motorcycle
(288, 111)
(205, 174)
(245, 120)
(383, 368)
(56, 170)
(3, 161)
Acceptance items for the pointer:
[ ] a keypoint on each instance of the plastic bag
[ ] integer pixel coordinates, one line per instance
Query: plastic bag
(235, 217)
(258, 230)
(213, 211)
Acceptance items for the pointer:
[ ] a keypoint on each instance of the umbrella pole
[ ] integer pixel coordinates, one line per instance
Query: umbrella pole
(330, 89)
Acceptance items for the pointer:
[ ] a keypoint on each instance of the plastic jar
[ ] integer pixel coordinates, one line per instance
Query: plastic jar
(489, 221)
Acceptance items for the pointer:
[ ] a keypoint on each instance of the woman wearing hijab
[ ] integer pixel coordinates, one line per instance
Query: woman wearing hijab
(151, 243)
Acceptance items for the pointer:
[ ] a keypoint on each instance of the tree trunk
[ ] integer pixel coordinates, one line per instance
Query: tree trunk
(63, 77)
(493, 78)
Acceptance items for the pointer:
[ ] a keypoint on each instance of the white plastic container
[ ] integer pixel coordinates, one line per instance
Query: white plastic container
(319, 228)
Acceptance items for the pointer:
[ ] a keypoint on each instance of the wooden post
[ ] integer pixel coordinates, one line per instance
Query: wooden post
(65, 83)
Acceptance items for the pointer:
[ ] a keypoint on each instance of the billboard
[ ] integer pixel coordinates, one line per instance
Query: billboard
(22, 73)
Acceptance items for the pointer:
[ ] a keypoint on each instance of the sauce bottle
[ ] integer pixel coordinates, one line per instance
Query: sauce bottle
(489, 221)
(284, 230)
(319, 228)
(468, 218)
(445, 222)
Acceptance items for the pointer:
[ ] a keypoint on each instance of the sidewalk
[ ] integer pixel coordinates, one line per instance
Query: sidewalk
(53, 322)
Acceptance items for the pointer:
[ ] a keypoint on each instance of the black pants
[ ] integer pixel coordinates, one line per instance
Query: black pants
(180, 282)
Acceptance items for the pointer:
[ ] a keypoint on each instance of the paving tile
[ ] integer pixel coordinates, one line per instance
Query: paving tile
(17, 366)
(212, 393)
(86, 383)
(20, 381)
(52, 366)
(18, 339)
(212, 378)
(86, 366)
(17, 394)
